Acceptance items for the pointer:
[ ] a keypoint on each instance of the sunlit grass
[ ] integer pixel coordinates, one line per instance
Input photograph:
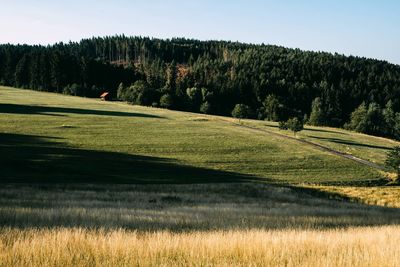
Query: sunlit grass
(190, 225)
(210, 143)
(78, 247)
(388, 196)
(364, 146)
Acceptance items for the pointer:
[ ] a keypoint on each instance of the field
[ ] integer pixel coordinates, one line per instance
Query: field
(85, 182)
(182, 207)
(365, 247)
(360, 145)
(239, 224)
(84, 137)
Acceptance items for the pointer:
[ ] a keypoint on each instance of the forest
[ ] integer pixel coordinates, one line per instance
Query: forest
(216, 77)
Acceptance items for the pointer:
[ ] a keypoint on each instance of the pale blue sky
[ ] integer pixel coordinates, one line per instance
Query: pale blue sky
(369, 28)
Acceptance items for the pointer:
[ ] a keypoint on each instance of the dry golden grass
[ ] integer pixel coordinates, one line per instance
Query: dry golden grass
(242, 224)
(79, 247)
(386, 196)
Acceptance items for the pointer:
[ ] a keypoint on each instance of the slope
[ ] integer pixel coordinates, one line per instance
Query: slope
(90, 140)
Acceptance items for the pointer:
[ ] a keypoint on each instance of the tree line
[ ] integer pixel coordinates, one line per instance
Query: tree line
(213, 77)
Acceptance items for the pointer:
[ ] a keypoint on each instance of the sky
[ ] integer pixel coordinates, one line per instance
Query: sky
(367, 28)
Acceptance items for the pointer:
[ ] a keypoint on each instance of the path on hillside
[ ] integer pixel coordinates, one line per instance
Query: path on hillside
(318, 146)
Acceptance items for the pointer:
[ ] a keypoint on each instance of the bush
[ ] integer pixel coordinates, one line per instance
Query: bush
(73, 89)
(195, 97)
(206, 108)
(166, 101)
(393, 160)
(283, 125)
(396, 127)
(241, 111)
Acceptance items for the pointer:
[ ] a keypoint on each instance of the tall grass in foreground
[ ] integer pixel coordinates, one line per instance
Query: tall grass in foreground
(79, 247)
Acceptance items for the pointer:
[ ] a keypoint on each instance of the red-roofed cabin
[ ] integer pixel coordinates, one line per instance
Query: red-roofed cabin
(105, 96)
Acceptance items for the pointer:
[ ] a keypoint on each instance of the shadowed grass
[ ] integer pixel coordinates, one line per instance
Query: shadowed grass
(63, 111)
(35, 159)
(212, 206)
(351, 143)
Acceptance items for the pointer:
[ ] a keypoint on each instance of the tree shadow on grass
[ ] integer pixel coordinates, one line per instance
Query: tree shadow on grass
(350, 143)
(313, 130)
(61, 111)
(35, 159)
(55, 183)
(323, 130)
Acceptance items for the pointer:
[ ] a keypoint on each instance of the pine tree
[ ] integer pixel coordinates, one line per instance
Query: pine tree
(22, 72)
(170, 84)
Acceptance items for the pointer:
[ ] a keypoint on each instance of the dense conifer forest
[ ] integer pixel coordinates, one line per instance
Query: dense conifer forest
(216, 77)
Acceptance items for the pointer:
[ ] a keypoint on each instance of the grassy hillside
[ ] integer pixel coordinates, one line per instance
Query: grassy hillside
(85, 174)
(94, 141)
(364, 146)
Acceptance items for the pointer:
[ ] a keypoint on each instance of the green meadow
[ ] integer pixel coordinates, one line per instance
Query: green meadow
(50, 138)
(364, 146)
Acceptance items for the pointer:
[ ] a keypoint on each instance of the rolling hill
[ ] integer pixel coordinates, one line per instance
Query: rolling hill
(94, 141)
(133, 185)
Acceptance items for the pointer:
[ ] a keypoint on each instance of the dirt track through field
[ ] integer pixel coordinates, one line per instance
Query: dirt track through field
(320, 147)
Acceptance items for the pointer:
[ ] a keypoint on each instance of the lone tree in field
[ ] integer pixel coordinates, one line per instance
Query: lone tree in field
(393, 160)
(295, 125)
